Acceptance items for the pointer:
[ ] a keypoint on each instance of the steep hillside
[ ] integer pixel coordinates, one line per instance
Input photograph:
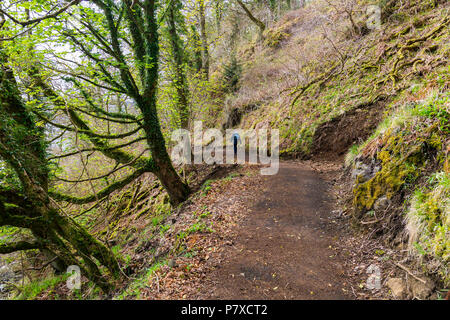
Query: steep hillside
(340, 79)
(381, 97)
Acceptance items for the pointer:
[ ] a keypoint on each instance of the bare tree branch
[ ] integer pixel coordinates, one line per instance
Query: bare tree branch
(47, 16)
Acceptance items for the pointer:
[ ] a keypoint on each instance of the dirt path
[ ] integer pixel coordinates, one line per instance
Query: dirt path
(285, 247)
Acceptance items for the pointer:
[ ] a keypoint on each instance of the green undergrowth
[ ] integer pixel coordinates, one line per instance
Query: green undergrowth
(33, 289)
(134, 289)
(428, 225)
(410, 150)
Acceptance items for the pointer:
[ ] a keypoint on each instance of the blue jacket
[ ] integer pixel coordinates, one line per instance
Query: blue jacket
(235, 138)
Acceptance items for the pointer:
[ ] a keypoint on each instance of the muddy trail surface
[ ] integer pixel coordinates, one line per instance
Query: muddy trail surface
(285, 248)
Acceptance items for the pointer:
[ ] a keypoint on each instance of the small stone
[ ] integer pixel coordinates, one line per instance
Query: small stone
(397, 286)
(6, 273)
(172, 263)
(421, 290)
(362, 172)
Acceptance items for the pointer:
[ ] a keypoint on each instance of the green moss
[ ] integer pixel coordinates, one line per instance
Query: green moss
(399, 165)
(35, 288)
(134, 288)
(412, 137)
(274, 36)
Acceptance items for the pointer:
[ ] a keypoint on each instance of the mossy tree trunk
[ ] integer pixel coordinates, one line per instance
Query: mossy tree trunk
(197, 54)
(28, 204)
(204, 38)
(255, 20)
(180, 81)
(146, 51)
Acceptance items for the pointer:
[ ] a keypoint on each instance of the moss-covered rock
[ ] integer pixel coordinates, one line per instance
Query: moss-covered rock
(411, 149)
(399, 162)
(410, 140)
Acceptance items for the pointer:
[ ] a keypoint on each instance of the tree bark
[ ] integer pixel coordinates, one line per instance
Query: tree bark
(197, 50)
(178, 191)
(255, 20)
(180, 76)
(203, 35)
